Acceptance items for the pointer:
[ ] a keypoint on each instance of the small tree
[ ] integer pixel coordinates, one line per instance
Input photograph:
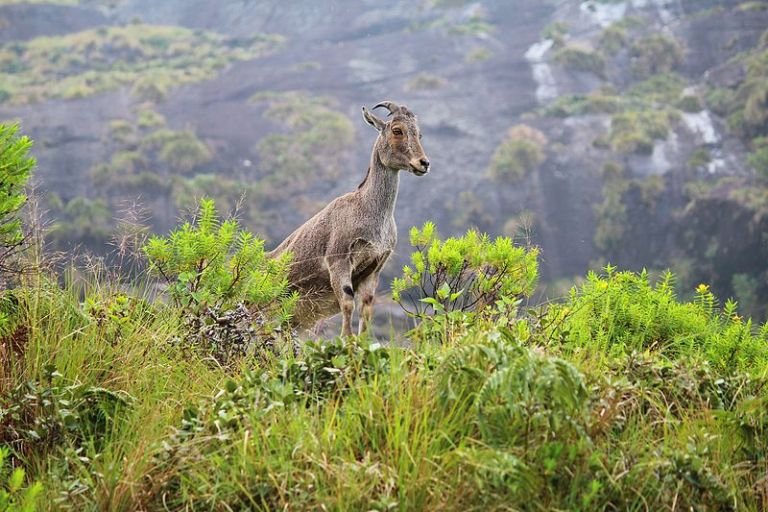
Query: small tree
(453, 281)
(15, 169)
(229, 292)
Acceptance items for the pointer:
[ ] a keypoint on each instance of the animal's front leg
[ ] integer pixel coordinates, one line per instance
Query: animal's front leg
(341, 282)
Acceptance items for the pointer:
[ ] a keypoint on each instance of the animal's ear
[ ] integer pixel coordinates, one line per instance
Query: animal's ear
(373, 120)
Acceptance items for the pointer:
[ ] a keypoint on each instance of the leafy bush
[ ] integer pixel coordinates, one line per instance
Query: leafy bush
(15, 168)
(425, 81)
(556, 31)
(215, 272)
(14, 497)
(622, 312)
(580, 59)
(654, 54)
(318, 136)
(184, 152)
(613, 38)
(39, 415)
(458, 277)
(519, 154)
(758, 159)
(636, 131)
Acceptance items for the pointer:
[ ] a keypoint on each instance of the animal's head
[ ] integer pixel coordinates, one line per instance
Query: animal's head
(399, 142)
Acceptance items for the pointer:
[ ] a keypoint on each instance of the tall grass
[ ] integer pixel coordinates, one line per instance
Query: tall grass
(583, 407)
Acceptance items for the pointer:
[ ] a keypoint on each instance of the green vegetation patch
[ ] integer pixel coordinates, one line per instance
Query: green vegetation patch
(580, 58)
(520, 153)
(315, 143)
(636, 131)
(148, 58)
(502, 407)
(655, 53)
(425, 81)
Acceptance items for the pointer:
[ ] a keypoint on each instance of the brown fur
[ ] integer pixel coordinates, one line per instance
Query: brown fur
(344, 246)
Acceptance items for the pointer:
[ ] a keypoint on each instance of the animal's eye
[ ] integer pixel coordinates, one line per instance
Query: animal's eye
(397, 131)
(421, 136)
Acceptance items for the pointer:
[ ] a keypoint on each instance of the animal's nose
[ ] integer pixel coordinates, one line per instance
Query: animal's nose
(424, 163)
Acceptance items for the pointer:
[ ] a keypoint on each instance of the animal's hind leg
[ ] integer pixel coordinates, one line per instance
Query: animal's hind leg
(366, 294)
(341, 282)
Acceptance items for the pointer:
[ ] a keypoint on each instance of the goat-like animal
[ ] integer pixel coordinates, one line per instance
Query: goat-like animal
(339, 253)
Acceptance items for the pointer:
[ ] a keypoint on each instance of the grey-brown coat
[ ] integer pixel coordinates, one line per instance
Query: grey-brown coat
(339, 253)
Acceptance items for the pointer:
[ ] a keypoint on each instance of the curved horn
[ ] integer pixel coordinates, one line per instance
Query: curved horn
(389, 105)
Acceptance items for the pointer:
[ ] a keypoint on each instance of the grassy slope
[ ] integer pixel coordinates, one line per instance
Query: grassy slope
(620, 399)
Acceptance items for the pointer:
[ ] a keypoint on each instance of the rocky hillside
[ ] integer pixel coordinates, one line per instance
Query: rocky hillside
(630, 132)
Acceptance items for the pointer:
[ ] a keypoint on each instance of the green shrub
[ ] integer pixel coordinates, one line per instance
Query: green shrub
(556, 31)
(637, 131)
(519, 154)
(599, 102)
(317, 139)
(148, 118)
(622, 312)
(14, 496)
(580, 59)
(654, 54)
(233, 298)
(758, 159)
(425, 81)
(665, 88)
(40, 415)
(213, 263)
(81, 221)
(184, 152)
(613, 38)
(449, 283)
(700, 158)
(478, 54)
(16, 168)
(689, 104)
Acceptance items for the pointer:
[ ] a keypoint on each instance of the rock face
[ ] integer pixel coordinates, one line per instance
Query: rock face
(574, 70)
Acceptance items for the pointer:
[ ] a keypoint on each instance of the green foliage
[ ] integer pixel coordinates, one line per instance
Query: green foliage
(15, 168)
(620, 398)
(184, 152)
(317, 139)
(664, 88)
(425, 81)
(557, 32)
(210, 262)
(613, 38)
(149, 58)
(700, 158)
(40, 415)
(636, 131)
(654, 54)
(476, 26)
(520, 153)
(81, 220)
(458, 279)
(14, 496)
(758, 159)
(745, 105)
(229, 194)
(580, 59)
(689, 104)
(622, 312)
(478, 54)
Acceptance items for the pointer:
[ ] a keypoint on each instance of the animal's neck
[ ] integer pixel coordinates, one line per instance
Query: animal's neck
(379, 190)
